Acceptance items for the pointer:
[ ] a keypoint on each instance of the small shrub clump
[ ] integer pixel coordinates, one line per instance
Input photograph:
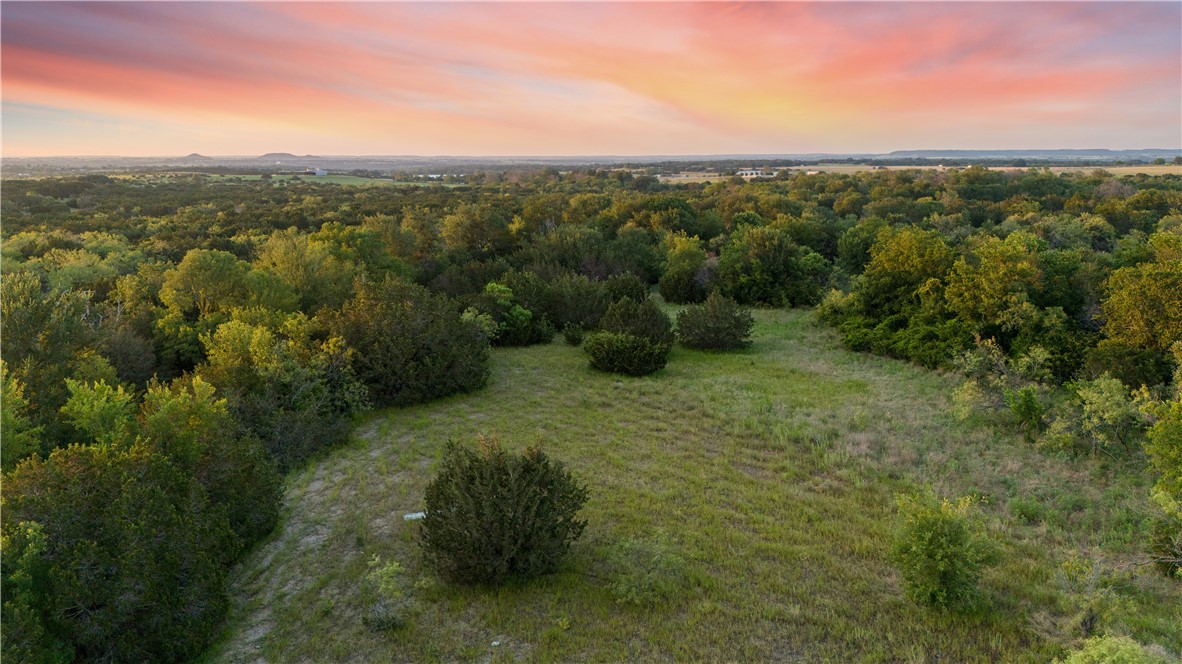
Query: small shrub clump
(718, 324)
(1027, 409)
(635, 340)
(516, 325)
(386, 580)
(1112, 650)
(493, 516)
(1165, 544)
(625, 354)
(940, 552)
(573, 334)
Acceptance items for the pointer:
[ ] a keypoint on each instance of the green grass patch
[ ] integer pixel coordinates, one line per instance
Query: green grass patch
(771, 472)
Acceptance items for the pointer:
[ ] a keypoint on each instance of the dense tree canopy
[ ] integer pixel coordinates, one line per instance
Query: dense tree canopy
(171, 341)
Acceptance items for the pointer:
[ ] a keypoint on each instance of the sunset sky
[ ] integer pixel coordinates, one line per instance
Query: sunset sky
(157, 79)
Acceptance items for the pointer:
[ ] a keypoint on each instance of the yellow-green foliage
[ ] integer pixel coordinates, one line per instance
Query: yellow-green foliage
(1112, 650)
(1163, 444)
(1109, 415)
(1143, 309)
(385, 577)
(20, 437)
(991, 284)
(940, 551)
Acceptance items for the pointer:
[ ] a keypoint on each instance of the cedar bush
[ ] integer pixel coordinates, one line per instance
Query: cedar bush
(410, 345)
(573, 335)
(641, 319)
(628, 285)
(682, 285)
(493, 516)
(575, 299)
(626, 354)
(567, 299)
(718, 324)
(110, 554)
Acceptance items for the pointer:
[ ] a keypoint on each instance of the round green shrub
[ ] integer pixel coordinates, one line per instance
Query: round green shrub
(718, 324)
(575, 299)
(939, 551)
(492, 515)
(642, 319)
(627, 285)
(626, 354)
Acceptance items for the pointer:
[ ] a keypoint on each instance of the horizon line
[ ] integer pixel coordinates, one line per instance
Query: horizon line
(716, 155)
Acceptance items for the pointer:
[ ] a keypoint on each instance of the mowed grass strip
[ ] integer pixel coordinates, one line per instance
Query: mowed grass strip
(773, 469)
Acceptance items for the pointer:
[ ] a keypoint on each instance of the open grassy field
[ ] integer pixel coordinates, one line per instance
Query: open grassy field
(1147, 169)
(774, 470)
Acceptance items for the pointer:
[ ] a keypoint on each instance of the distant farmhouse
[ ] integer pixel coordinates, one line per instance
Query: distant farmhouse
(755, 173)
(315, 171)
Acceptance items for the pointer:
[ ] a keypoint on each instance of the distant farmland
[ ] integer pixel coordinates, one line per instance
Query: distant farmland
(1146, 169)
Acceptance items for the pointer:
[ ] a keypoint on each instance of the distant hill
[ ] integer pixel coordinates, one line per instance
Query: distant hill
(1071, 154)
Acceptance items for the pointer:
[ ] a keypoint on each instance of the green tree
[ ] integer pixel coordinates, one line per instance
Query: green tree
(762, 265)
(902, 262)
(991, 285)
(1143, 309)
(310, 269)
(481, 230)
(1109, 415)
(204, 282)
(410, 345)
(1163, 446)
(188, 424)
(21, 438)
(46, 339)
(137, 560)
(685, 279)
(26, 618)
(99, 410)
(296, 394)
